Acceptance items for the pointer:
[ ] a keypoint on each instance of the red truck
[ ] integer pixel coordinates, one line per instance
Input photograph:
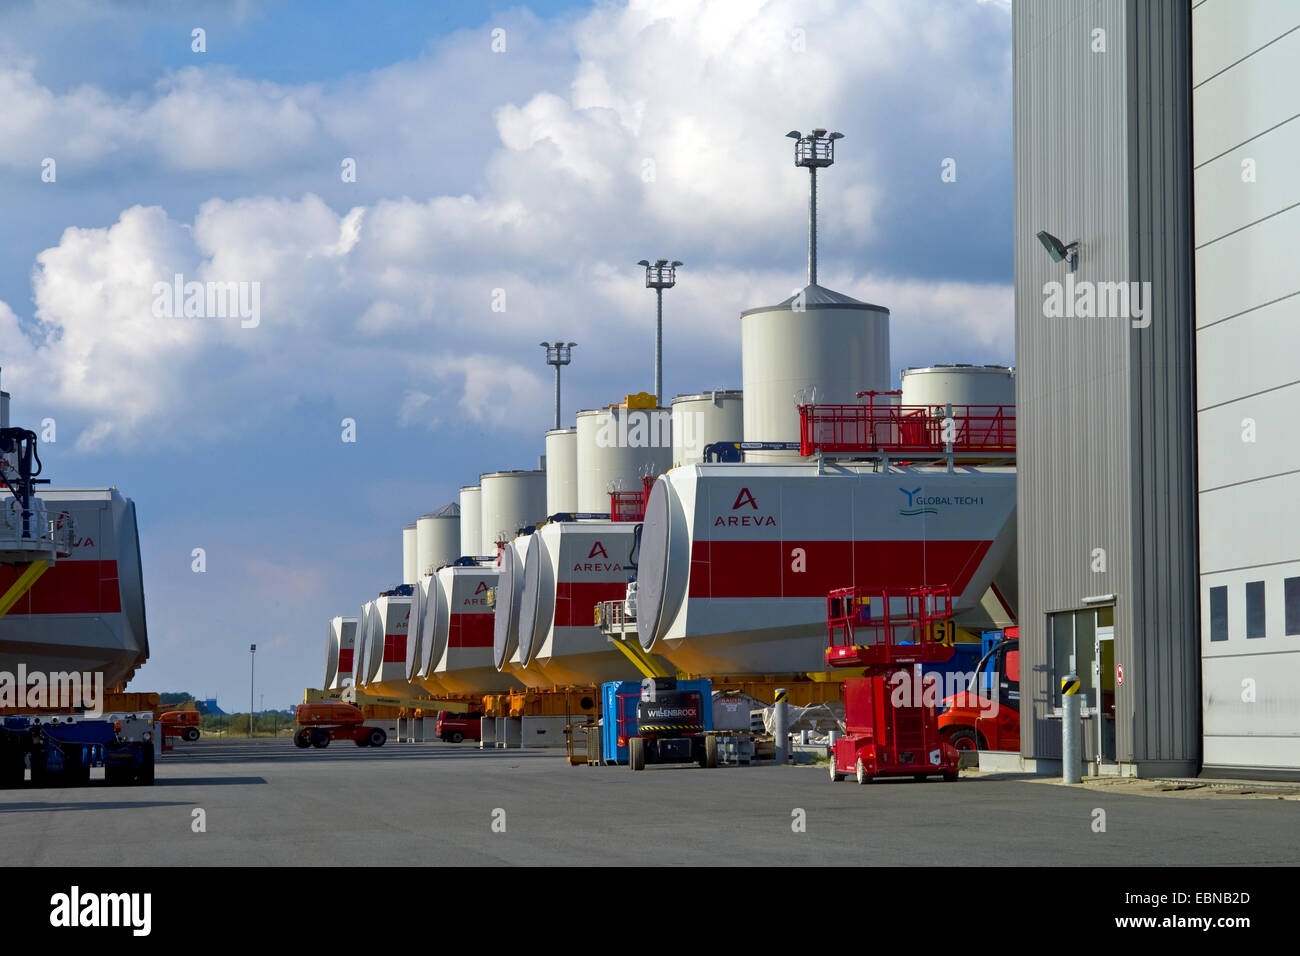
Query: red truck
(453, 728)
(986, 716)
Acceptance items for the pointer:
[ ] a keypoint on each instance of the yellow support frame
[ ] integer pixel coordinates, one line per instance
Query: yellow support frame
(22, 585)
(648, 664)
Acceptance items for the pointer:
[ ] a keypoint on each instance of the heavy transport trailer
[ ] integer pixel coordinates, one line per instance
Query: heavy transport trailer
(320, 723)
(670, 727)
(891, 728)
(61, 751)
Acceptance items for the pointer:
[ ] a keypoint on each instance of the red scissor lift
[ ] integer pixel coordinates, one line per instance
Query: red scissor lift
(890, 728)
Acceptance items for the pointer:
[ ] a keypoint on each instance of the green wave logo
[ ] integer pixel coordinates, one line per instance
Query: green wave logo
(911, 511)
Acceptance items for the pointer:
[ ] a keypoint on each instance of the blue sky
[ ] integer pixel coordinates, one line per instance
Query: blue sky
(523, 170)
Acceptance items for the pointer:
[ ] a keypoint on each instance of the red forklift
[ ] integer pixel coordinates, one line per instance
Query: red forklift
(986, 716)
(890, 715)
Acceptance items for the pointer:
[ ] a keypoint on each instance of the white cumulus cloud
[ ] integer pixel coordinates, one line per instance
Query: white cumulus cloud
(664, 138)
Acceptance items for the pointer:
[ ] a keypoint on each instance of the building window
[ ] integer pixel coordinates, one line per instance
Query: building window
(1291, 597)
(1255, 626)
(1219, 614)
(1073, 636)
(1062, 631)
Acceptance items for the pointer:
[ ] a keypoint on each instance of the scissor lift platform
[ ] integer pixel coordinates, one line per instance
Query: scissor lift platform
(891, 724)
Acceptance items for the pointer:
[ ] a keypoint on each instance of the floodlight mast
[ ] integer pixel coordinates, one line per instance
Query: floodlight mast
(558, 354)
(815, 150)
(660, 275)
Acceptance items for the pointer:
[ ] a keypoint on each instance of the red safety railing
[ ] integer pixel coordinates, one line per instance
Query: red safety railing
(630, 505)
(907, 429)
(919, 630)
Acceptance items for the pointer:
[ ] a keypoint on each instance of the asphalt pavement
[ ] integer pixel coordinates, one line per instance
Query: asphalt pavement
(264, 802)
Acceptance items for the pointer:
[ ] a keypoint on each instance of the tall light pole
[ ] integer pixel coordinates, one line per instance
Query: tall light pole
(659, 276)
(558, 354)
(252, 655)
(816, 151)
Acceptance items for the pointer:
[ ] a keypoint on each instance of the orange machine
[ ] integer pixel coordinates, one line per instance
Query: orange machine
(181, 723)
(323, 721)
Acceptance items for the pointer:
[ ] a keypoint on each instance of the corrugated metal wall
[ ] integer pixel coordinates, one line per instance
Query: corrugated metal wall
(1104, 410)
(1164, 696)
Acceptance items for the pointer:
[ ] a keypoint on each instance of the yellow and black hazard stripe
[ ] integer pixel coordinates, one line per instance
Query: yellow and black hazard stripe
(1069, 685)
(669, 728)
(781, 695)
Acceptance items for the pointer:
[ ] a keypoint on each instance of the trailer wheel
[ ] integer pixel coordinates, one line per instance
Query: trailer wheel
(376, 738)
(76, 774)
(362, 741)
(836, 776)
(636, 753)
(117, 775)
(302, 739)
(862, 773)
(320, 738)
(39, 777)
(191, 734)
(711, 752)
(11, 768)
(144, 776)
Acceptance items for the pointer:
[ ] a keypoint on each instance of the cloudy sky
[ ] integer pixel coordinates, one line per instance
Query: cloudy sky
(601, 134)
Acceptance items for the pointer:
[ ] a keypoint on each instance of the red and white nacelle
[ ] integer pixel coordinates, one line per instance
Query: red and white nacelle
(569, 568)
(457, 633)
(736, 560)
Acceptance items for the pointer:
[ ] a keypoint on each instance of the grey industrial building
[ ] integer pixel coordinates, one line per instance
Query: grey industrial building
(1159, 425)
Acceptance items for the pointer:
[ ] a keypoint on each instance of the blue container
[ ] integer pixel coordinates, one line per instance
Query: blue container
(965, 655)
(618, 700)
(989, 640)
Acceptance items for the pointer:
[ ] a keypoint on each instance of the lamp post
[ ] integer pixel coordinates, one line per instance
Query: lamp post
(660, 275)
(252, 655)
(815, 151)
(558, 354)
